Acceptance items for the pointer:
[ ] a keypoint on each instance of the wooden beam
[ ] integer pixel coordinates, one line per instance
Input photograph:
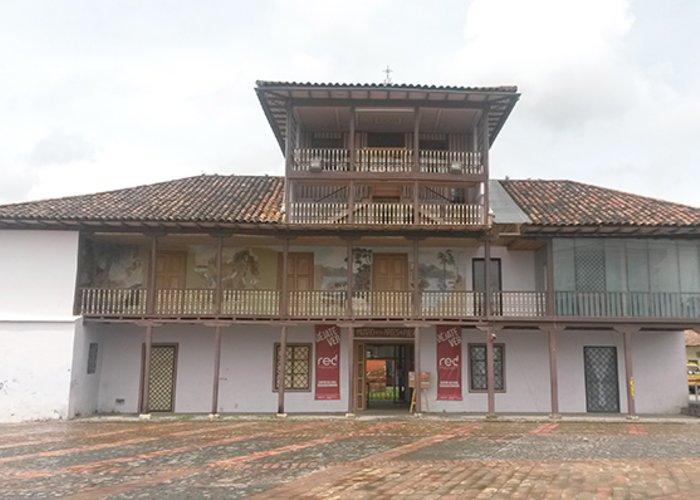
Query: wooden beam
(490, 373)
(282, 362)
(550, 297)
(349, 275)
(417, 369)
(217, 369)
(552, 332)
(145, 385)
(151, 285)
(627, 331)
(351, 369)
(219, 274)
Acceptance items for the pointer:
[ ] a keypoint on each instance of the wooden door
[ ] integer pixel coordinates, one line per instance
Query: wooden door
(390, 285)
(171, 271)
(300, 281)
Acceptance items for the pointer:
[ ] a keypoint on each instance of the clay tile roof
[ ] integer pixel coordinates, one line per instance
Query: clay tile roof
(204, 198)
(692, 338)
(570, 203)
(273, 84)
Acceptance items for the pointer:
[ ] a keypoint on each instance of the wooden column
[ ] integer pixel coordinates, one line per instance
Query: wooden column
(552, 334)
(416, 368)
(627, 331)
(151, 284)
(351, 369)
(416, 309)
(349, 312)
(282, 371)
(487, 278)
(485, 162)
(416, 139)
(219, 273)
(217, 370)
(288, 152)
(145, 386)
(351, 140)
(550, 304)
(490, 373)
(284, 293)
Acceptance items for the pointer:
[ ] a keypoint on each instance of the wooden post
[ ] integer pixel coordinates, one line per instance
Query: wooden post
(351, 370)
(416, 140)
(145, 386)
(351, 140)
(552, 333)
(485, 161)
(219, 273)
(151, 288)
(282, 371)
(284, 295)
(416, 310)
(288, 153)
(351, 202)
(416, 369)
(217, 369)
(487, 278)
(550, 303)
(349, 312)
(627, 332)
(490, 373)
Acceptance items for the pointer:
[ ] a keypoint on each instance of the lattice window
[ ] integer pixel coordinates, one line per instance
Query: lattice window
(162, 378)
(602, 387)
(297, 368)
(590, 267)
(477, 367)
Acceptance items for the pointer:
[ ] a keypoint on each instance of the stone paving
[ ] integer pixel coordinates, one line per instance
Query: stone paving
(349, 458)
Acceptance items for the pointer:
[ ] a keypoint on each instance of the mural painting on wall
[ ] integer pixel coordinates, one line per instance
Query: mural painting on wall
(331, 276)
(205, 265)
(241, 271)
(440, 271)
(115, 266)
(362, 268)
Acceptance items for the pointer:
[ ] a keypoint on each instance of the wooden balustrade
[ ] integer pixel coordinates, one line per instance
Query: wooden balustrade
(321, 159)
(384, 213)
(317, 303)
(185, 302)
(450, 304)
(451, 214)
(450, 162)
(518, 304)
(382, 304)
(250, 303)
(113, 301)
(318, 213)
(384, 160)
(628, 304)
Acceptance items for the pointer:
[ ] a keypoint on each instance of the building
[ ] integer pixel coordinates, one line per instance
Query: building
(367, 262)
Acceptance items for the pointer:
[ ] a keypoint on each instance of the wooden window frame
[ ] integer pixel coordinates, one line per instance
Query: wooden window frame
(289, 366)
(502, 346)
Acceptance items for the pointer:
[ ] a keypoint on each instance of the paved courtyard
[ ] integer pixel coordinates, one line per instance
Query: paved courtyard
(349, 458)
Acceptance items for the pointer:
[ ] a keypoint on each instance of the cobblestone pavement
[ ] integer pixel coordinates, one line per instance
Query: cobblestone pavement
(349, 458)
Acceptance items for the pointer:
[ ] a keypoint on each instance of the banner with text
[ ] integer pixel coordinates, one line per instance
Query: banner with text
(327, 362)
(449, 363)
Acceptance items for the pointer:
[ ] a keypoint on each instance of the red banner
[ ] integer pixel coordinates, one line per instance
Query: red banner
(449, 363)
(327, 362)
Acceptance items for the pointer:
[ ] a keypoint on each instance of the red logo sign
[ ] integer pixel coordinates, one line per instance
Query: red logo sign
(327, 362)
(449, 363)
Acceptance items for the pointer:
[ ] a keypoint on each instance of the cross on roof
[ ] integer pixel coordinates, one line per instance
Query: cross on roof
(388, 71)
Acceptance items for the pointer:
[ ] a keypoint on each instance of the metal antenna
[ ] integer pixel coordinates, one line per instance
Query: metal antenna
(388, 71)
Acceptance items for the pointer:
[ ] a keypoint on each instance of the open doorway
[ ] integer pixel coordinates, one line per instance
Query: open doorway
(382, 376)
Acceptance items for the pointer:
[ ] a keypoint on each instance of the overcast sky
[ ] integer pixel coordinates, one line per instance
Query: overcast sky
(98, 94)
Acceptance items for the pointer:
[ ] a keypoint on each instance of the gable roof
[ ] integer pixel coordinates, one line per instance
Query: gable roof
(204, 198)
(570, 203)
(231, 199)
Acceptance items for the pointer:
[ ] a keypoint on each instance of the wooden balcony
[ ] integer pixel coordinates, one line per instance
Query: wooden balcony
(391, 214)
(376, 304)
(387, 160)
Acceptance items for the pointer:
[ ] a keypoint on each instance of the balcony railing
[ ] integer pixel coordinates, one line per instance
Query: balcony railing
(390, 160)
(392, 214)
(628, 304)
(332, 304)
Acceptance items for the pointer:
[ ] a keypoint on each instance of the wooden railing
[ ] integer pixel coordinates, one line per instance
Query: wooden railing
(318, 303)
(321, 159)
(450, 162)
(254, 303)
(384, 213)
(518, 304)
(113, 301)
(450, 304)
(382, 304)
(185, 302)
(451, 214)
(390, 160)
(318, 213)
(628, 304)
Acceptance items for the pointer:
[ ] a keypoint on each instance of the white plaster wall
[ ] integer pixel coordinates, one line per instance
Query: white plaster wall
(84, 387)
(35, 370)
(38, 270)
(517, 267)
(246, 377)
(660, 379)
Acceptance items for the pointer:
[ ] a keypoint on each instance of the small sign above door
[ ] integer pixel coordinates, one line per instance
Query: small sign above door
(393, 333)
